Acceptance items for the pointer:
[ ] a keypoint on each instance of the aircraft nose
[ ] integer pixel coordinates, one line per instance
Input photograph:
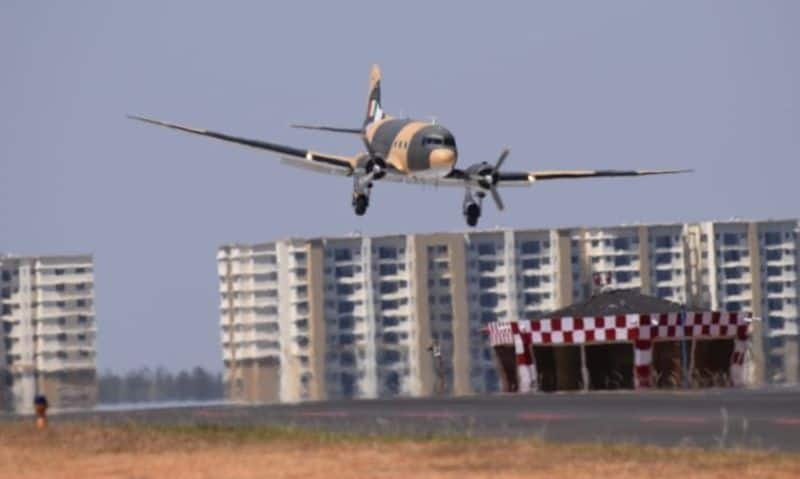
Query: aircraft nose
(442, 158)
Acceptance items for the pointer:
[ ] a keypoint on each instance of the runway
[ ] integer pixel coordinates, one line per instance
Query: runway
(717, 418)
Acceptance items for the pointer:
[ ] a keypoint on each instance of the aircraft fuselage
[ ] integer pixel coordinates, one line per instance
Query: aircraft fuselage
(413, 147)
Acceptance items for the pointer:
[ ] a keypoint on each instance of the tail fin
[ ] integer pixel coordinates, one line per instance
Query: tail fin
(374, 110)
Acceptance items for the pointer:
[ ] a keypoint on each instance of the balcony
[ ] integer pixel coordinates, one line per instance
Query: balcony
(51, 279)
(71, 295)
(60, 364)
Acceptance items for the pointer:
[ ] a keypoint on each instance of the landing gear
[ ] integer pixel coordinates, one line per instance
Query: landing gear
(472, 212)
(361, 190)
(472, 207)
(360, 204)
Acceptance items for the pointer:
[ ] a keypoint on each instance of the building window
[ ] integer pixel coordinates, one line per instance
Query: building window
(664, 242)
(774, 255)
(776, 323)
(387, 269)
(390, 304)
(346, 307)
(732, 255)
(531, 281)
(733, 289)
(530, 264)
(344, 272)
(775, 287)
(663, 275)
(486, 266)
(488, 300)
(733, 306)
(621, 244)
(532, 299)
(389, 321)
(622, 260)
(774, 304)
(730, 239)
(343, 254)
(772, 238)
(774, 271)
(530, 247)
(389, 356)
(733, 273)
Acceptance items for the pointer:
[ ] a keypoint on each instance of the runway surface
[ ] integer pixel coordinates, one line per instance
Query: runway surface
(717, 418)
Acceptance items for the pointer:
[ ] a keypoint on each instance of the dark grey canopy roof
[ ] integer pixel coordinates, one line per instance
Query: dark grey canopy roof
(617, 301)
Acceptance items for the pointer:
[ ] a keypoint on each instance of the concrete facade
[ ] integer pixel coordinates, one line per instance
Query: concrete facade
(358, 316)
(48, 332)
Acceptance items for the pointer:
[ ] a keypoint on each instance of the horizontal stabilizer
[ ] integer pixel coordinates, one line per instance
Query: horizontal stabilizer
(334, 129)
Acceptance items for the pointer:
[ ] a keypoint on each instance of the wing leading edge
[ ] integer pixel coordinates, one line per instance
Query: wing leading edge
(294, 156)
(526, 178)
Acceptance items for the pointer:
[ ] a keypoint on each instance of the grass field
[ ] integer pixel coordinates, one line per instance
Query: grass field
(93, 451)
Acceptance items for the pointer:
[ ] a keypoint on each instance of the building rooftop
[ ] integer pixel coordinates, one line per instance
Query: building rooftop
(496, 230)
(617, 301)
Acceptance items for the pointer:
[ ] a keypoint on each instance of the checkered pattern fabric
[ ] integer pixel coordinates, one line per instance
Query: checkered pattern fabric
(640, 329)
(500, 334)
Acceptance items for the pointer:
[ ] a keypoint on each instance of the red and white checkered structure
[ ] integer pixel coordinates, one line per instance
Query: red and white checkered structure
(640, 329)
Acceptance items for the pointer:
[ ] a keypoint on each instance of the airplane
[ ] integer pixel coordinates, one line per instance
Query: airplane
(410, 151)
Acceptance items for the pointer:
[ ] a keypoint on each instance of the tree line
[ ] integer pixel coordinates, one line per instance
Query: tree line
(145, 385)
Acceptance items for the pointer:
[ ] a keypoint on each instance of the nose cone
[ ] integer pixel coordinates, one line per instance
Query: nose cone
(442, 159)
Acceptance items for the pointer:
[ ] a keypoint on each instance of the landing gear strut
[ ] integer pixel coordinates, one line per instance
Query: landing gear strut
(472, 207)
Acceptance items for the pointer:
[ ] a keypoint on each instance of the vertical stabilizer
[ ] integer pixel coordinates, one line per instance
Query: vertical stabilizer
(374, 109)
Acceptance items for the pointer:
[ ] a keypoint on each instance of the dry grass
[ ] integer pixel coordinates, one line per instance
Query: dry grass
(81, 451)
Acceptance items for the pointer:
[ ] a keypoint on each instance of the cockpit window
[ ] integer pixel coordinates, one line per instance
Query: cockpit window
(436, 140)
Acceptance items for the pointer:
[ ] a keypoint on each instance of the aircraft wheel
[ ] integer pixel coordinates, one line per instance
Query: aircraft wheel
(472, 213)
(360, 204)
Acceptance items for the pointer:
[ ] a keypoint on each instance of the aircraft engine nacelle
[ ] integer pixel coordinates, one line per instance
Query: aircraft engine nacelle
(483, 175)
(376, 166)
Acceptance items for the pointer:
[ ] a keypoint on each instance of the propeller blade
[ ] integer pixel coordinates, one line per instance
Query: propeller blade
(497, 200)
(502, 158)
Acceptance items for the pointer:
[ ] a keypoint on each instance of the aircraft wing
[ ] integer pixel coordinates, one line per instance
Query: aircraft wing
(525, 178)
(342, 165)
(455, 178)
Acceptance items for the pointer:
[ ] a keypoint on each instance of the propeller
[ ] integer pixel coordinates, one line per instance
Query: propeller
(487, 176)
(376, 166)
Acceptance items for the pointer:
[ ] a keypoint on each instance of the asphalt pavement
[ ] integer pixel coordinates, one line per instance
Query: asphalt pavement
(766, 419)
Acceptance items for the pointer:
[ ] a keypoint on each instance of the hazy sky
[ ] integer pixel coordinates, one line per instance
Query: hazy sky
(706, 85)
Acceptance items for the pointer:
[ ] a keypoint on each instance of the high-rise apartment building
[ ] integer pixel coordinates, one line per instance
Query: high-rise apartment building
(48, 332)
(402, 315)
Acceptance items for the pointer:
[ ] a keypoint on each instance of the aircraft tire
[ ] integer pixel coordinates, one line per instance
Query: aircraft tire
(360, 204)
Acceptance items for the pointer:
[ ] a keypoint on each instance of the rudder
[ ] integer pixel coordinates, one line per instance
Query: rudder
(374, 110)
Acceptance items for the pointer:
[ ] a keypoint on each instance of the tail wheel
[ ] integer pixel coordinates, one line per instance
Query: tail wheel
(360, 204)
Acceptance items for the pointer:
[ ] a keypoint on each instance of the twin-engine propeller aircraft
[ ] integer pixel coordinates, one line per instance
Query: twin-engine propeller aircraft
(408, 151)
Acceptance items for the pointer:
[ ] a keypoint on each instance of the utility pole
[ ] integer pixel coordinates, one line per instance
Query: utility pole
(438, 365)
(684, 353)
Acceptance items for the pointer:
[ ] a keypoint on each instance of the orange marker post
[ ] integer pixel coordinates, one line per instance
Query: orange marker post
(40, 406)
